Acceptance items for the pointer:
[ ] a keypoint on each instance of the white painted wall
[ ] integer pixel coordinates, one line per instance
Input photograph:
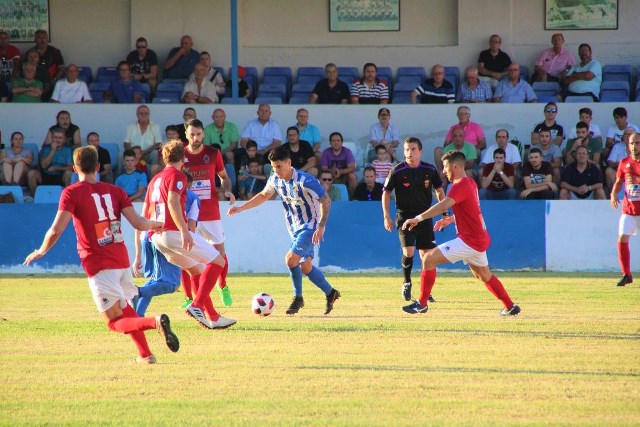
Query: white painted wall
(296, 32)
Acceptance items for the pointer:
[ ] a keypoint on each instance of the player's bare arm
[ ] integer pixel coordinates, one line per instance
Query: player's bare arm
(614, 193)
(256, 200)
(226, 186)
(388, 221)
(441, 207)
(51, 237)
(325, 207)
(138, 222)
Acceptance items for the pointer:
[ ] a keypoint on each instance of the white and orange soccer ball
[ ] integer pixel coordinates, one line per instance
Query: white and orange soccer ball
(262, 304)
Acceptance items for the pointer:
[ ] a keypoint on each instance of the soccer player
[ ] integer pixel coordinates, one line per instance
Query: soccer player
(629, 173)
(413, 181)
(204, 163)
(164, 277)
(306, 222)
(181, 247)
(96, 209)
(472, 240)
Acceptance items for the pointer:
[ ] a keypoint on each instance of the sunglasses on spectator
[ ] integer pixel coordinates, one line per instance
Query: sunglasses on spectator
(141, 47)
(549, 110)
(327, 179)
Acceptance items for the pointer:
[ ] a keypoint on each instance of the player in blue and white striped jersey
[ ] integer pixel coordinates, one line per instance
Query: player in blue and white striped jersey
(306, 210)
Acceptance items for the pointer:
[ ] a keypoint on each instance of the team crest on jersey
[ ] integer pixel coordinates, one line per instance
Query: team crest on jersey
(179, 185)
(205, 158)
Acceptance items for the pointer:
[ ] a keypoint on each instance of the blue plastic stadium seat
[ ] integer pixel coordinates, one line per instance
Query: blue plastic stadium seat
(546, 88)
(348, 74)
(299, 99)
(167, 86)
(107, 74)
(577, 99)
(401, 98)
(16, 190)
(114, 153)
(344, 193)
(452, 75)
(386, 75)
(615, 91)
(229, 100)
(86, 74)
(411, 71)
(617, 72)
(166, 99)
(268, 100)
(309, 74)
(47, 194)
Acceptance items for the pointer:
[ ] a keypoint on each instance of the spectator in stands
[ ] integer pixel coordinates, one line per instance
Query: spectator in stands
(171, 132)
(263, 130)
(308, 132)
(251, 152)
(72, 135)
(71, 89)
(189, 113)
(382, 164)
(513, 89)
(615, 132)
(550, 152)
(435, 90)
(141, 164)
(458, 143)
(340, 161)
(585, 77)
(126, 90)
(132, 181)
(144, 64)
(9, 59)
(212, 75)
(368, 189)
(244, 91)
(586, 115)
(199, 90)
(383, 133)
(511, 153)
(473, 133)
(56, 163)
(618, 152)
(369, 89)
(553, 63)
(32, 56)
(181, 60)
(27, 88)
(581, 179)
(16, 161)
(537, 174)
(252, 179)
(498, 178)
(493, 62)
(326, 179)
(594, 147)
(301, 153)
(550, 124)
(330, 90)
(50, 59)
(146, 134)
(4, 92)
(223, 133)
(473, 89)
(104, 158)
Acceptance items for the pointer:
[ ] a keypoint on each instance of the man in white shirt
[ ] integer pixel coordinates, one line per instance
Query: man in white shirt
(71, 90)
(512, 154)
(264, 131)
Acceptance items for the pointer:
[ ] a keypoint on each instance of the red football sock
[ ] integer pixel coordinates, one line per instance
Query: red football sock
(195, 285)
(208, 280)
(495, 287)
(225, 270)
(427, 280)
(185, 278)
(624, 258)
(130, 322)
(140, 341)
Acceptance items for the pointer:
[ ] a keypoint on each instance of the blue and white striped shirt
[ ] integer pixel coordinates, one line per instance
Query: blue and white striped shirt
(299, 198)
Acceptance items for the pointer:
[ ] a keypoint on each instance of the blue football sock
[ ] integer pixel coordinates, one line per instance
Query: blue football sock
(317, 278)
(296, 279)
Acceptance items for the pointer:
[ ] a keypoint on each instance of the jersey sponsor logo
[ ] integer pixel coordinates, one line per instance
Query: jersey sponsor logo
(103, 233)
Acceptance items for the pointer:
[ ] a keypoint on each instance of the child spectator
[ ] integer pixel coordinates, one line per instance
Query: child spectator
(252, 180)
(382, 164)
(132, 180)
(141, 164)
(251, 152)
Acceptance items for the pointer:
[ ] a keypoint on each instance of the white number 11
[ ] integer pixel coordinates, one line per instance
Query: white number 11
(107, 201)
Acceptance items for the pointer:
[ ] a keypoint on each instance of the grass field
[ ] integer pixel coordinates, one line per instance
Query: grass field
(571, 358)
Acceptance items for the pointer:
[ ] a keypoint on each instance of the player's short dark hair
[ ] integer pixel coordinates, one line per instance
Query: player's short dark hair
(369, 168)
(550, 104)
(196, 123)
(61, 112)
(584, 45)
(620, 111)
(294, 128)
(585, 110)
(129, 153)
(278, 154)
(380, 146)
(173, 151)
(251, 144)
(499, 151)
(535, 150)
(173, 128)
(334, 134)
(454, 156)
(121, 63)
(86, 158)
(413, 140)
(582, 125)
(92, 134)
(253, 160)
(544, 130)
(58, 130)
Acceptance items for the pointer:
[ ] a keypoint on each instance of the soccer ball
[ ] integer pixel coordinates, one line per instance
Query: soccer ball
(262, 304)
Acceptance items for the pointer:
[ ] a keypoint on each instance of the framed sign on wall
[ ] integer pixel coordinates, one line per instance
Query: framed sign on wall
(364, 15)
(22, 18)
(581, 15)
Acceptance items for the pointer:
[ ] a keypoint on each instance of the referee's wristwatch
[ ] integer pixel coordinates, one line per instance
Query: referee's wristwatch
(501, 173)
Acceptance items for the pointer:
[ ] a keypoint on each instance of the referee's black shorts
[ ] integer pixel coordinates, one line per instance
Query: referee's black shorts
(421, 236)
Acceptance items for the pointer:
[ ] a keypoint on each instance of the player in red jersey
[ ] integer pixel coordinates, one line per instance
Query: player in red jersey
(471, 243)
(180, 246)
(629, 173)
(204, 163)
(96, 209)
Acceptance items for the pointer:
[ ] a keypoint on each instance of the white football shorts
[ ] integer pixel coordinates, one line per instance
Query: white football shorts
(457, 250)
(170, 244)
(629, 225)
(212, 231)
(111, 286)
